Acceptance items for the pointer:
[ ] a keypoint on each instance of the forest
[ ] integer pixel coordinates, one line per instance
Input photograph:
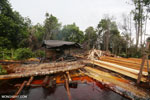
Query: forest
(20, 39)
(108, 59)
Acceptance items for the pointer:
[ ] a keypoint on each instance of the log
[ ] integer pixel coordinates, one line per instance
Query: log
(43, 69)
(20, 89)
(68, 76)
(30, 80)
(45, 81)
(67, 87)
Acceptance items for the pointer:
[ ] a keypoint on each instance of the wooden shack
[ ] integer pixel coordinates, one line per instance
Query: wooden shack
(57, 48)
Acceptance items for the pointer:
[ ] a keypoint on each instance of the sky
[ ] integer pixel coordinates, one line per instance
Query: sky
(84, 13)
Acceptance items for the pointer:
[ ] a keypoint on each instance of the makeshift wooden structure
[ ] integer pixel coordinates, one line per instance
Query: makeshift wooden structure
(56, 48)
(43, 69)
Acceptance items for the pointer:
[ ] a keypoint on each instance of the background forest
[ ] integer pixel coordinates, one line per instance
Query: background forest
(19, 39)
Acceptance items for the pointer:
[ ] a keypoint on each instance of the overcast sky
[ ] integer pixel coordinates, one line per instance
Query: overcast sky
(83, 12)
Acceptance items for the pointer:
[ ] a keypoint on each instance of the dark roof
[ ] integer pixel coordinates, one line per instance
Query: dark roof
(54, 44)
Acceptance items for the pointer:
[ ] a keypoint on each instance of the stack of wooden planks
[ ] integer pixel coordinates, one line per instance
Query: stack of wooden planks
(122, 65)
(119, 85)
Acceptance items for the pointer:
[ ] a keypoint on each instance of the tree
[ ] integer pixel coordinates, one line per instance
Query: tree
(52, 26)
(90, 37)
(140, 17)
(13, 28)
(107, 29)
(71, 33)
(36, 36)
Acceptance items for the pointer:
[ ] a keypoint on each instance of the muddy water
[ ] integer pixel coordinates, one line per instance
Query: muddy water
(87, 89)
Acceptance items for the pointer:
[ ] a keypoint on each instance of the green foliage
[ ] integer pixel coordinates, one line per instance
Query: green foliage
(123, 55)
(72, 33)
(90, 37)
(23, 53)
(51, 26)
(39, 53)
(13, 29)
(109, 33)
(2, 70)
(5, 54)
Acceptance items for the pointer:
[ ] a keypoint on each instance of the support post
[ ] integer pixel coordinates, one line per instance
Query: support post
(67, 87)
(145, 57)
(20, 89)
(30, 80)
(141, 69)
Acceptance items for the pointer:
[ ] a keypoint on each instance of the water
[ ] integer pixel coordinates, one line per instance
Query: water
(87, 89)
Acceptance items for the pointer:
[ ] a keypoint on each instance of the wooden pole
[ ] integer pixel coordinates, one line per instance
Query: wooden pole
(141, 69)
(45, 80)
(67, 87)
(143, 61)
(30, 80)
(148, 70)
(20, 89)
(68, 75)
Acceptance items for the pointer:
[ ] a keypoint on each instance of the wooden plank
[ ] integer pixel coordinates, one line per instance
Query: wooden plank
(121, 67)
(125, 60)
(118, 85)
(118, 70)
(122, 63)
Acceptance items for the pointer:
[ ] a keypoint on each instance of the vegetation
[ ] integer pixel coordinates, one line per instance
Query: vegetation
(2, 70)
(19, 36)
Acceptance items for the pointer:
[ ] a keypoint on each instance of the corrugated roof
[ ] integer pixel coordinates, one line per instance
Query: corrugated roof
(54, 44)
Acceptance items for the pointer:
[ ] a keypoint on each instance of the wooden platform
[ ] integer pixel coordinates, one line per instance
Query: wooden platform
(43, 69)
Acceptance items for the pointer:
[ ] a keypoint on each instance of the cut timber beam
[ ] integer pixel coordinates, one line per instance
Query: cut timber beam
(122, 67)
(117, 69)
(119, 85)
